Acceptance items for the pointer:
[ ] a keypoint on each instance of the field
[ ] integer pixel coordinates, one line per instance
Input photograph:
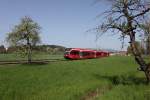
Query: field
(112, 78)
(35, 56)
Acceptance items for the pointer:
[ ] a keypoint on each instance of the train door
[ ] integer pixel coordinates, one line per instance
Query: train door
(98, 54)
(85, 54)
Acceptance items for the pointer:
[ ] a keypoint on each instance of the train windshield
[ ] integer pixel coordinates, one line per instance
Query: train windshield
(74, 52)
(66, 53)
(68, 49)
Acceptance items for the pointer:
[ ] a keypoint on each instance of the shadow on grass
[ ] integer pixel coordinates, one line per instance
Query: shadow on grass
(123, 79)
(35, 63)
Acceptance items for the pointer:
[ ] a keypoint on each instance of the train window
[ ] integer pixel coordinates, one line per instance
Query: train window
(98, 53)
(81, 54)
(74, 53)
(85, 53)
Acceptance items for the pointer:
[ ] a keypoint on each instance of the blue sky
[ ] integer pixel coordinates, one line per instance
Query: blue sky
(63, 22)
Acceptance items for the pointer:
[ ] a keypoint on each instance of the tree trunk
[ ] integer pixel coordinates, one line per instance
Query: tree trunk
(29, 50)
(138, 57)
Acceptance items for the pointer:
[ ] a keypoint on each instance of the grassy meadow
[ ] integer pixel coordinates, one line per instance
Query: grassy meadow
(112, 78)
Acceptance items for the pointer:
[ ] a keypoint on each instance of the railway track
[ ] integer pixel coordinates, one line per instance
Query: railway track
(39, 61)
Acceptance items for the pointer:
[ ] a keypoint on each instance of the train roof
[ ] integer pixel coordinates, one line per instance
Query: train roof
(68, 49)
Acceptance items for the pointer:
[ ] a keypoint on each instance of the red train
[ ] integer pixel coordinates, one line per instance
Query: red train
(78, 53)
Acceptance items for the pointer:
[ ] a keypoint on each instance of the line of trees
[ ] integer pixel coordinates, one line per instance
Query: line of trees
(141, 46)
(47, 49)
(146, 27)
(2, 49)
(138, 45)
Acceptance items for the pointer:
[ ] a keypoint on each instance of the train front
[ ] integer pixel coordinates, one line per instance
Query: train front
(67, 53)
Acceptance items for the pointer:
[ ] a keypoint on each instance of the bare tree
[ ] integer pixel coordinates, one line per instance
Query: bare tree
(125, 18)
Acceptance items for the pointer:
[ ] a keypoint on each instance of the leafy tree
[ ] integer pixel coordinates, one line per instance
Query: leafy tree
(25, 35)
(124, 18)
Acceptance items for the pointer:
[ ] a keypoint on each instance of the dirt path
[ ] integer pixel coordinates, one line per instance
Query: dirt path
(91, 95)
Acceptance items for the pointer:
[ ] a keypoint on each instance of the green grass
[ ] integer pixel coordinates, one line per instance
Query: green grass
(72, 80)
